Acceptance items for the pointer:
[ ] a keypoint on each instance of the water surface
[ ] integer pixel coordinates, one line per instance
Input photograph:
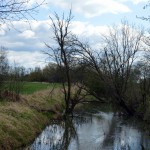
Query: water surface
(92, 131)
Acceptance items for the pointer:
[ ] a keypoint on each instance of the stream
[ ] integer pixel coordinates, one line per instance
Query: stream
(93, 130)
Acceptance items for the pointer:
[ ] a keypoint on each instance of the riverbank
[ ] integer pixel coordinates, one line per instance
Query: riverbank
(22, 121)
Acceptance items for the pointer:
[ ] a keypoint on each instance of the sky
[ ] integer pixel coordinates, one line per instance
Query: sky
(25, 42)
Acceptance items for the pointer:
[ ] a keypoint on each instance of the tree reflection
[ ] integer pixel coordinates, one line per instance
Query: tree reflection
(59, 135)
(85, 132)
(69, 134)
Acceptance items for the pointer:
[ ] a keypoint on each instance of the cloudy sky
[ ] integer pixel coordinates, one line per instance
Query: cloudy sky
(91, 17)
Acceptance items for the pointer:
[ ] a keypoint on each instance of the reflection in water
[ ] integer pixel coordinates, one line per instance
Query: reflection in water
(100, 131)
(56, 137)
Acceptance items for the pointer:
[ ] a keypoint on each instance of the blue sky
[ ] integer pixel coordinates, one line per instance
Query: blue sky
(91, 18)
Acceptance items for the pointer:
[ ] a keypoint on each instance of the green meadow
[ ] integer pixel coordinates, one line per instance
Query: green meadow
(31, 87)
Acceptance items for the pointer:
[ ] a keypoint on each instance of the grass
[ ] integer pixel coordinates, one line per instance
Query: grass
(19, 124)
(31, 87)
(22, 121)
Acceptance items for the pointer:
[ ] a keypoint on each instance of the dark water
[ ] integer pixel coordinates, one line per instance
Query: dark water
(93, 131)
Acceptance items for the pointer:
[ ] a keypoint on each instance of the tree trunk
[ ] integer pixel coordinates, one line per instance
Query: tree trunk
(129, 111)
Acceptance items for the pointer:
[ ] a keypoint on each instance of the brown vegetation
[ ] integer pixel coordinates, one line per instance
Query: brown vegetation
(21, 121)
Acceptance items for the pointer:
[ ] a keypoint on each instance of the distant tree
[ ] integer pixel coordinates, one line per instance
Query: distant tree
(51, 73)
(144, 81)
(3, 66)
(15, 82)
(143, 67)
(36, 75)
(3, 61)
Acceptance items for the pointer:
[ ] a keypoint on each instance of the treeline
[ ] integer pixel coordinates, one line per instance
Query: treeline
(50, 73)
(11, 78)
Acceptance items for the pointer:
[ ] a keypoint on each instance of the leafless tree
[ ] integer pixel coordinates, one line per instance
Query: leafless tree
(114, 62)
(15, 10)
(65, 55)
(145, 7)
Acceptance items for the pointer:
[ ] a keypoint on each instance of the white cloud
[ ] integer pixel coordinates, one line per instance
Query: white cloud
(26, 59)
(35, 3)
(2, 32)
(134, 1)
(78, 27)
(26, 46)
(89, 32)
(27, 34)
(92, 8)
(24, 38)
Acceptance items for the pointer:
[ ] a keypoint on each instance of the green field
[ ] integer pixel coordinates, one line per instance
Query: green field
(31, 87)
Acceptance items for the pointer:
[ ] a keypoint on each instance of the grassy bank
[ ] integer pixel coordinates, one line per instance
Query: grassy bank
(19, 124)
(21, 121)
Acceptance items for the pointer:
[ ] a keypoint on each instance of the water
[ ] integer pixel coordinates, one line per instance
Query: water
(92, 131)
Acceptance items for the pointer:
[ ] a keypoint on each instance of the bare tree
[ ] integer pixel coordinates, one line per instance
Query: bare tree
(65, 55)
(114, 62)
(15, 10)
(145, 7)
